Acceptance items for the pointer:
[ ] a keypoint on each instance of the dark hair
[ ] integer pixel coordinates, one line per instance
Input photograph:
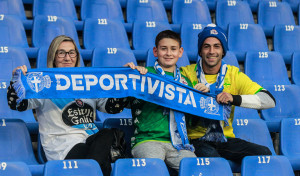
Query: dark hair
(167, 34)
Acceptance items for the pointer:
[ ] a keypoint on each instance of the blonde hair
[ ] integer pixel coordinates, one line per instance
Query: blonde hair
(54, 46)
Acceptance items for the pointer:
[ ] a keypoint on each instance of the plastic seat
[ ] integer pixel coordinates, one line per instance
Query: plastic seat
(287, 105)
(189, 36)
(286, 41)
(140, 166)
(254, 4)
(112, 57)
(233, 12)
(104, 33)
(13, 7)
(289, 141)
(46, 28)
(101, 9)
(293, 3)
(245, 113)
(195, 11)
(204, 166)
(78, 167)
(295, 68)
(9, 60)
(266, 166)
(243, 38)
(253, 130)
(41, 61)
(14, 168)
(15, 141)
(231, 59)
(12, 32)
(266, 68)
(65, 8)
(124, 123)
(271, 13)
(182, 61)
(145, 10)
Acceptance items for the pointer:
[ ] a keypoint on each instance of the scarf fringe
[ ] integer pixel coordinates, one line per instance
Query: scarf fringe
(18, 86)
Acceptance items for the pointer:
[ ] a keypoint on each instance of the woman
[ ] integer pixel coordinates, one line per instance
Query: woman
(66, 126)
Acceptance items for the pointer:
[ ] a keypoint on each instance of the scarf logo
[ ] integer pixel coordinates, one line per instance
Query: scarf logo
(37, 82)
(210, 105)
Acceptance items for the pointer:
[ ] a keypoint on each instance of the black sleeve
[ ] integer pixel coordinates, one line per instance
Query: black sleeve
(115, 105)
(12, 99)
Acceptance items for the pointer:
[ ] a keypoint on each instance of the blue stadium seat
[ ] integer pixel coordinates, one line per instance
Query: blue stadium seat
(65, 8)
(11, 58)
(204, 166)
(144, 33)
(46, 28)
(41, 61)
(140, 166)
(195, 11)
(266, 68)
(189, 36)
(72, 167)
(246, 37)
(211, 4)
(183, 61)
(233, 12)
(293, 3)
(104, 33)
(295, 68)
(287, 105)
(145, 10)
(231, 59)
(290, 141)
(286, 41)
(254, 4)
(15, 141)
(271, 13)
(253, 130)
(245, 113)
(112, 57)
(12, 32)
(101, 9)
(266, 166)
(124, 122)
(14, 168)
(13, 7)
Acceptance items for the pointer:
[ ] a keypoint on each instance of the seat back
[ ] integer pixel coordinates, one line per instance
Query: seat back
(46, 28)
(78, 167)
(13, 7)
(246, 37)
(231, 59)
(14, 168)
(15, 141)
(271, 13)
(204, 166)
(293, 3)
(233, 12)
(286, 41)
(101, 9)
(65, 8)
(254, 4)
(245, 113)
(295, 68)
(145, 10)
(12, 32)
(182, 61)
(112, 57)
(104, 33)
(11, 58)
(144, 33)
(266, 68)
(244, 129)
(266, 165)
(140, 166)
(195, 11)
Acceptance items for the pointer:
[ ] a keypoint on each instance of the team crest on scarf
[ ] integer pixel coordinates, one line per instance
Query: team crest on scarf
(210, 105)
(37, 82)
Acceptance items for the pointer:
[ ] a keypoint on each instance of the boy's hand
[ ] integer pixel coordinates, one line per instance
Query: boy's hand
(23, 68)
(201, 87)
(224, 98)
(141, 69)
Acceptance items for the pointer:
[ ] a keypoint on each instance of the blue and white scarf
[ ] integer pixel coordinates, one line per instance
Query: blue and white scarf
(177, 125)
(214, 130)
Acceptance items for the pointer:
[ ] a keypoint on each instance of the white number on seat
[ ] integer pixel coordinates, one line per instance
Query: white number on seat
(102, 21)
(125, 122)
(272, 4)
(231, 3)
(3, 49)
(203, 161)
(242, 122)
(243, 26)
(138, 162)
(69, 165)
(289, 27)
(197, 26)
(3, 166)
(297, 121)
(3, 122)
(279, 88)
(264, 159)
(3, 85)
(188, 1)
(112, 50)
(1, 17)
(143, 1)
(263, 54)
(52, 18)
(150, 24)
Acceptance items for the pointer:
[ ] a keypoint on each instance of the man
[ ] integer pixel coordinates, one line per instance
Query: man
(232, 87)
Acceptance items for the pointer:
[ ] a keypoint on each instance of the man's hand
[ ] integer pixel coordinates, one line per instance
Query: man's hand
(224, 98)
(201, 87)
(23, 68)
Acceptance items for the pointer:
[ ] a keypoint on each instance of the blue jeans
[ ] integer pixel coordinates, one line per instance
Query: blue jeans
(234, 149)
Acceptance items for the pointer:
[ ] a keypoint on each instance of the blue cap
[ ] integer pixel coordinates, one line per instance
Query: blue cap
(212, 30)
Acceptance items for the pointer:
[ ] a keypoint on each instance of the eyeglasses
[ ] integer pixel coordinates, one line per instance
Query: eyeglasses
(63, 53)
